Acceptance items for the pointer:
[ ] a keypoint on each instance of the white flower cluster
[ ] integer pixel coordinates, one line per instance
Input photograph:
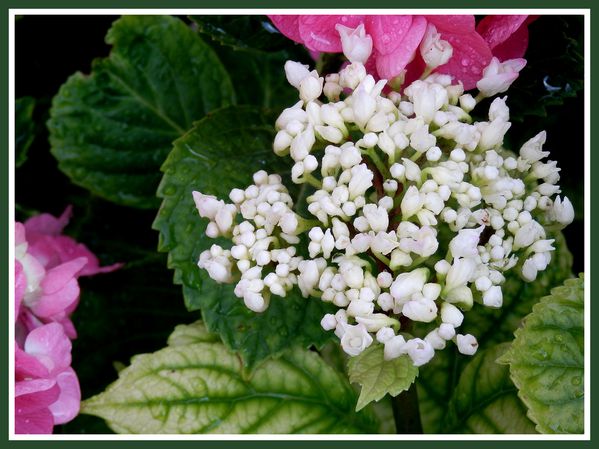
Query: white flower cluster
(417, 211)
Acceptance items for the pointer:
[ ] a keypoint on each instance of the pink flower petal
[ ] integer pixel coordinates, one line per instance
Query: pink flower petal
(54, 306)
(59, 276)
(387, 32)
(514, 46)
(46, 224)
(38, 422)
(461, 23)
(20, 286)
(318, 31)
(391, 65)
(498, 28)
(288, 25)
(50, 345)
(67, 405)
(471, 54)
(36, 393)
(28, 366)
(20, 233)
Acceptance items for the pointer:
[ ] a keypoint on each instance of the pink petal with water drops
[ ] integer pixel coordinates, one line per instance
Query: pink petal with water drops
(456, 23)
(387, 32)
(50, 345)
(471, 54)
(67, 405)
(514, 46)
(288, 25)
(35, 423)
(497, 29)
(390, 65)
(318, 31)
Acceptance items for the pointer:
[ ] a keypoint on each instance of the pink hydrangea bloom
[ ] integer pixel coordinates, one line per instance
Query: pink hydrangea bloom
(46, 387)
(48, 265)
(396, 40)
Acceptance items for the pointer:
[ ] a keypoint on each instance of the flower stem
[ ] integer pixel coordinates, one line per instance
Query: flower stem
(406, 413)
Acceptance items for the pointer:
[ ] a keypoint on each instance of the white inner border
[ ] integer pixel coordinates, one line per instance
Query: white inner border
(370, 437)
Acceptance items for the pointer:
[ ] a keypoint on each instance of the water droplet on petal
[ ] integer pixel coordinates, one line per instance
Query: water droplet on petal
(465, 62)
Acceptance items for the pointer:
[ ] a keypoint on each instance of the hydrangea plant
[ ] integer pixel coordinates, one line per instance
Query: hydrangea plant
(365, 243)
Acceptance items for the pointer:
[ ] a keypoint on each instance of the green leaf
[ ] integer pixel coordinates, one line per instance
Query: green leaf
(221, 152)
(258, 77)
(111, 130)
(201, 387)
(485, 399)
(378, 376)
(547, 360)
(24, 128)
(255, 33)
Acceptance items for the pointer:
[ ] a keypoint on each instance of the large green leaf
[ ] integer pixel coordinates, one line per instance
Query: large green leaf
(438, 378)
(247, 32)
(220, 153)
(24, 128)
(196, 385)
(378, 376)
(485, 400)
(547, 360)
(111, 130)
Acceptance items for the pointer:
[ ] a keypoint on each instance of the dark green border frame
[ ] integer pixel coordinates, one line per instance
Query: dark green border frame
(308, 4)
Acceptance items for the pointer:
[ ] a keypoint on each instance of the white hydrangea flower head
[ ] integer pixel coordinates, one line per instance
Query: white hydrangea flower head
(415, 213)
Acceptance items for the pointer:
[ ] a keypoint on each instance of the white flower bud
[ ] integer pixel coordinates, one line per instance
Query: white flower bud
(434, 50)
(377, 217)
(435, 340)
(363, 106)
(310, 88)
(296, 72)
(450, 314)
(467, 344)
(384, 334)
(384, 279)
(460, 273)
(493, 297)
(356, 44)
(329, 133)
(361, 181)
(384, 242)
(328, 322)
(498, 76)
(528, 234)
(420, 351)
(532, 150)
(394, 347)
(411, 203)
(422, 310)
(446, 331)
(499, 110)
(406, 284)
(355, 339)
(562, 211)
(374, 322)
(466, 242)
